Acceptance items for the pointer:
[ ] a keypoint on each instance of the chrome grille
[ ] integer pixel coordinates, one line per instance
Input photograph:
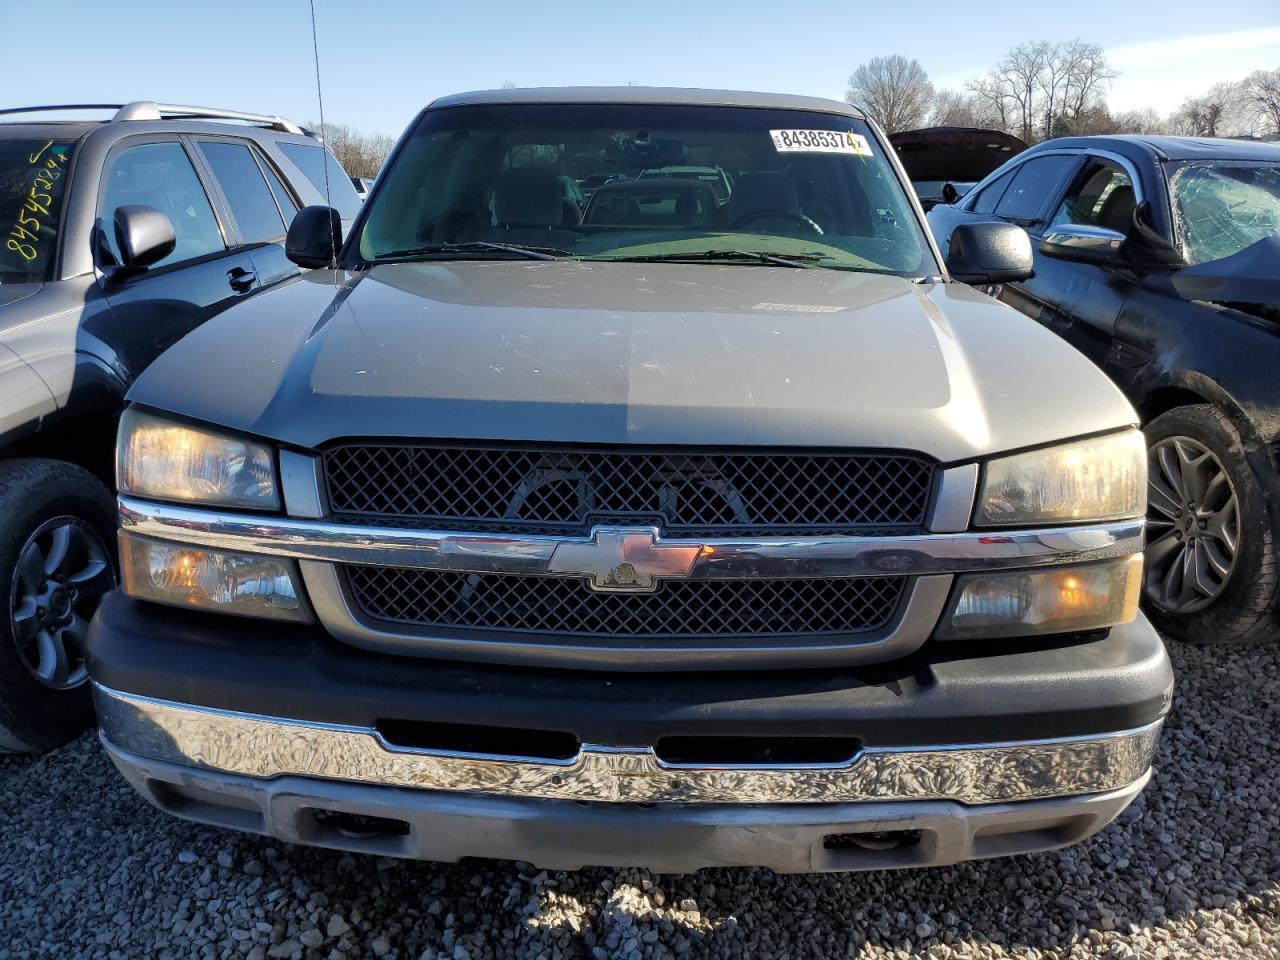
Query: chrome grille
(549, 490)
(679, 609)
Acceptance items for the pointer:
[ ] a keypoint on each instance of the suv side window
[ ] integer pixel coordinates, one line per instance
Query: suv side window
(1102, 196)
(986, 201)
(1031, 186)
(247, 193)
(160, 175)
(288, 208)
(312, 161)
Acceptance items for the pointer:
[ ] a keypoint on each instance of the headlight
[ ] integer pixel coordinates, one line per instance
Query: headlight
(240, 583)
(1100, 479)
(165, 460)
(1025, 603)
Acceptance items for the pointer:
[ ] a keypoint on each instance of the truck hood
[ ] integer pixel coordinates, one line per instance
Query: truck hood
(627, 353)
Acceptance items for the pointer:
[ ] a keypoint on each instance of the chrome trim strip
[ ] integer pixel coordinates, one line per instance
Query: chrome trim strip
(301, 485)
(920, 610)
(808, 557)
(953, 499)
(266, 747)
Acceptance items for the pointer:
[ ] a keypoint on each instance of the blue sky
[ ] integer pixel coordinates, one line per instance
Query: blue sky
(381, 61)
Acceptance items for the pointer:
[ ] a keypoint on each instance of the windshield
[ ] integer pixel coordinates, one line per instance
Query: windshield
(1222, 206)
(669, 182)
(32, 181)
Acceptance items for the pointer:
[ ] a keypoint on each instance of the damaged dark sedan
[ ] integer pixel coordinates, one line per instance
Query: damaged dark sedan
(1159, 258)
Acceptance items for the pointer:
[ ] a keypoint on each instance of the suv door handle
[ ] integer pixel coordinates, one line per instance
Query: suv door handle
(241, 280)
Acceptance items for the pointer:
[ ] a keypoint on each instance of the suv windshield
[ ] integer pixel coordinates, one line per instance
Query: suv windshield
(1223, 206)
(804, 186)
(32, 178)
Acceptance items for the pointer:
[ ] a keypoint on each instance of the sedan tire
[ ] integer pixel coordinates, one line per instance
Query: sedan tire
(1211, 574)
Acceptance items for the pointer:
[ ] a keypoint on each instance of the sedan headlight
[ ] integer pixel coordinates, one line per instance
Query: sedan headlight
(1104, 478)
(166, 460)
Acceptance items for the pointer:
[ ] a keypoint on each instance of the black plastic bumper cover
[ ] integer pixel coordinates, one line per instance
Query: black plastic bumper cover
(946, 693)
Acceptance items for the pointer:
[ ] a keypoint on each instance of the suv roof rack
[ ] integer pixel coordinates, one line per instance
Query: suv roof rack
(150, 110)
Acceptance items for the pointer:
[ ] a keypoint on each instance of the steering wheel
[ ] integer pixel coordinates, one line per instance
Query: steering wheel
(793, 215)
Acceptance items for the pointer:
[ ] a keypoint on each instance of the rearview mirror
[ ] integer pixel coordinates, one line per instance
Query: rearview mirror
(993, 252)
(1083, 244)
(144, 236)
(314, 237)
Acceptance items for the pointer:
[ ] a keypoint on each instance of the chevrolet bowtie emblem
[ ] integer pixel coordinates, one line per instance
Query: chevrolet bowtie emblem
(623, 558)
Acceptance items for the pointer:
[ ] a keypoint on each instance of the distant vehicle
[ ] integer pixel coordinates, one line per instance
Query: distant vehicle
(943, 163)
(119, 237)
(362, 186)
(719, 179)
(635, 542)
(656, 202)
(1159, 258)
(590, 184)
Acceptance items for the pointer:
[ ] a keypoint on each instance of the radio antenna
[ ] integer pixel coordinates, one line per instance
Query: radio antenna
(315, 49)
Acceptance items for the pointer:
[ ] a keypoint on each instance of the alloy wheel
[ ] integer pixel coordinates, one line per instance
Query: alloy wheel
(1193, 526)
(63, 572)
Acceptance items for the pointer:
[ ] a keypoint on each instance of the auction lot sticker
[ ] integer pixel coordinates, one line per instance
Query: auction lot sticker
(820, 141)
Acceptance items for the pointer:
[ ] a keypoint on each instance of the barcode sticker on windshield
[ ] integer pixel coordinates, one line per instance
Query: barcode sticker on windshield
(820, 141)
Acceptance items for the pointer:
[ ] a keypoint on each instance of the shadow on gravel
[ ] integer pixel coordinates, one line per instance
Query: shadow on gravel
(86, 868)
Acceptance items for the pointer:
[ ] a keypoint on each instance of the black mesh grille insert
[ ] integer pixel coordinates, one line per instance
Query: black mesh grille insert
(566, 490)
(678, 609)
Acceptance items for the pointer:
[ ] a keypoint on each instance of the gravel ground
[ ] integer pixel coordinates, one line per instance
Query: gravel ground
(87, 869)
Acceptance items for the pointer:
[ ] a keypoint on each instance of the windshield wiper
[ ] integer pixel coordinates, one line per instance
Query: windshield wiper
(474, 246)
(756, 256)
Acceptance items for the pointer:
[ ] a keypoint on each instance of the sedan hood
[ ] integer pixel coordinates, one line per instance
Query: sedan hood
(629, 353)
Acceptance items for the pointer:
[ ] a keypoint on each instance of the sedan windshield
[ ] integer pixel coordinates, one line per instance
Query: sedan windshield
(32, 183)
(673, 183)
(1223, 206)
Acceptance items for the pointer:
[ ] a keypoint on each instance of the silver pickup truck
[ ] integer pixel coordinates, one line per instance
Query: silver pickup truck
(673, 529)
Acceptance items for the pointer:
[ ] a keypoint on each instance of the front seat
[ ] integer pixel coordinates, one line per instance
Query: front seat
(1117, 210)
(529, 198)
(759, 192)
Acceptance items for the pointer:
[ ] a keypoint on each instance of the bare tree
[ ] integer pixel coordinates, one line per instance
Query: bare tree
(1022, 73)
(1145, 121)
(361, 154)
(1261, 97)
(1215, 113)
(1086, 74)
(1042, 89)
(959, 108)
(894, 91)
(993, 101)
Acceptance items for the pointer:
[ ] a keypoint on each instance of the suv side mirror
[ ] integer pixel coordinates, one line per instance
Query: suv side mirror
(314, 237)
(1083, 244)
(144, 236)
(992, 252)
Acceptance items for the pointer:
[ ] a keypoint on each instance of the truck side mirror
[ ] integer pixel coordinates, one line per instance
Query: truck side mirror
(314, 237)
(144, 236)
(990, 252)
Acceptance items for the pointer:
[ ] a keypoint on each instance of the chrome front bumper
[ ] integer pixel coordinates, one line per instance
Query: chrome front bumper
(343, 787)
(268, 747)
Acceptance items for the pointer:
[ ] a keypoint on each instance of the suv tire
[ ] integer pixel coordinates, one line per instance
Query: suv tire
(57, 527)
(1196, 451)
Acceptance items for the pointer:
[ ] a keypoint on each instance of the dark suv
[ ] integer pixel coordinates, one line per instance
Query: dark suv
(646, 538)
(119, 237)
(1159, 258)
